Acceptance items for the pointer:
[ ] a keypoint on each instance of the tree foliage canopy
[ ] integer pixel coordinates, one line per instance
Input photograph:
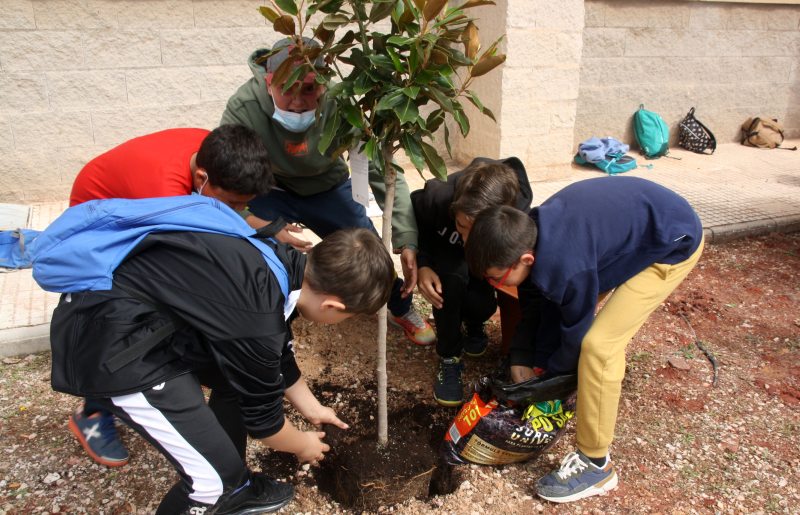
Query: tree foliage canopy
(379, 75)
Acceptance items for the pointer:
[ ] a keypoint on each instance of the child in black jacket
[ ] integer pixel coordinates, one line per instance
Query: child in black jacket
(445, 212)
(233, 333)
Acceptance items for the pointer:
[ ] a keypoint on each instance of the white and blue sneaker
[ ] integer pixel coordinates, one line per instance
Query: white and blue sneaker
(577, 478)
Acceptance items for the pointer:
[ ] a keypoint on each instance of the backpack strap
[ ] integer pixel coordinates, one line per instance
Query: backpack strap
(145, 345)
(749, 133)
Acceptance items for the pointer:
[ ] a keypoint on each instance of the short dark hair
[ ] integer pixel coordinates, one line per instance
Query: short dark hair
(354, 265)
(484, 185)
(236, 159)
(499, 236)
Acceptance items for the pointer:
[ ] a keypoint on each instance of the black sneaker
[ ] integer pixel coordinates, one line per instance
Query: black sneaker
(475, 342)
(260, 494)
(448, 389)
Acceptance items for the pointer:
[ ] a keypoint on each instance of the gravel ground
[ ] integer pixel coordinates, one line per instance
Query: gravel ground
(682, 445)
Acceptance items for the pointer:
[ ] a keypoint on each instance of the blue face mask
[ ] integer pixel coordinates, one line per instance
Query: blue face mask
(294, 122)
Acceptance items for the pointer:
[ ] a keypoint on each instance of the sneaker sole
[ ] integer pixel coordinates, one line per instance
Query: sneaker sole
(255, 510)
(471, 355)
(603, 489)
(409, 334)
(448, 404)
(73, 427)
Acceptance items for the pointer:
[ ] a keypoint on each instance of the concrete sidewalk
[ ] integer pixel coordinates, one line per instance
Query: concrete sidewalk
(738, 191)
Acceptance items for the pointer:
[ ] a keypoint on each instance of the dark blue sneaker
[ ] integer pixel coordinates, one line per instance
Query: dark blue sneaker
(259, 494)
(475, 341)
(448, 390)
(577, 478)
(475, 346)
(98, 436)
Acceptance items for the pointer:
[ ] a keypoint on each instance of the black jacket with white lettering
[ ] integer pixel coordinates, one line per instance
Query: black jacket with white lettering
(229, 309)
(439, 242)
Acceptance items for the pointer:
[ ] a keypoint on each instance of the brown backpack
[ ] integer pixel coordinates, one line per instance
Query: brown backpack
(763, 133)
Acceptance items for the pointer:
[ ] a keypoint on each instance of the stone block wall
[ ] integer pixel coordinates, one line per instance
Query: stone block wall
(78, 77)
(729, 60)
(534, 95)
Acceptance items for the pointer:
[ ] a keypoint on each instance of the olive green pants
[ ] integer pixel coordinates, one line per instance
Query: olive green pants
(601, 366)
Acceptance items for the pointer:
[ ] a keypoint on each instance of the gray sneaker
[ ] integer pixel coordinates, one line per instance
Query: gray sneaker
(577, 478)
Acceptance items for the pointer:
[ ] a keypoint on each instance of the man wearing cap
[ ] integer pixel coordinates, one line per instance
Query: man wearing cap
(314, 189)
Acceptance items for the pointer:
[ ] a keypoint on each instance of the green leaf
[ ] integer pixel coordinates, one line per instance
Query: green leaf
(334, 21)
(407, 111)
(293, 77)
(411, 144)
(380, 10)
(434, 160)
(477, 103)
(329, 6)
(447, 141)
(371, 150)
(413, 58)
(390, 101)
(458, 57)
(353, 116)
(287, 5)
(435, 119)
(461, 119)
(381, 62)
(441, 99)
(398, 65)
(269, 14)
(399, 41)
(337, 90)
(411, 92)
(329, 131)
(362, 84)
(453, 16)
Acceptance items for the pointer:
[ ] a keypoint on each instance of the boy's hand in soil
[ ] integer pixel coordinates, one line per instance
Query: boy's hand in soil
(430, 286)
(326, 415)
(314, 450)
(307, 404)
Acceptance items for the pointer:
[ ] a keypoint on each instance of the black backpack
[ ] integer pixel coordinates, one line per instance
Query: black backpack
(694, 136)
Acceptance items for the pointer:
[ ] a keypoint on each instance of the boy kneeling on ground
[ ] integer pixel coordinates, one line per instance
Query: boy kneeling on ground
(624, 234)
(234, 333)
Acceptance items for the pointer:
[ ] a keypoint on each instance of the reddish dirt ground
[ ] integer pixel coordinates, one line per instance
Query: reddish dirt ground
(682, 445)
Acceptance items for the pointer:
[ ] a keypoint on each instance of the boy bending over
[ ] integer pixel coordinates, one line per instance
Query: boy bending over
(445, 212)
(624, 234)
(233, 331)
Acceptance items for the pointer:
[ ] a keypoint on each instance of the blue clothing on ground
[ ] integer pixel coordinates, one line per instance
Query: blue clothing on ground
(324, 213)
(593, 236)
(15, 247)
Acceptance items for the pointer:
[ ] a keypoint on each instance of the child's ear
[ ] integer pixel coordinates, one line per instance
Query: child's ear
(333, 303)
(527, 259)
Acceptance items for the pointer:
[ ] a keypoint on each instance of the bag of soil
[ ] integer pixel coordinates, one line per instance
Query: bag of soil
(490, 433)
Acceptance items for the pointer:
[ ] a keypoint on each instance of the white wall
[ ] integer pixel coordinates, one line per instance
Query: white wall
(78, 77)
(729, 60)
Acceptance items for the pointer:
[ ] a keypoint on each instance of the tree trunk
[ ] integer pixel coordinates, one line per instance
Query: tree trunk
(383, 419)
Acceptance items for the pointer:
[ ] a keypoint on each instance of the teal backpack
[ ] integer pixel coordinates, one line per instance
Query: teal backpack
(652, 133)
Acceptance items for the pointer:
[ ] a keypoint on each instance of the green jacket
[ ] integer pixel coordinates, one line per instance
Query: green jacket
(297, 164)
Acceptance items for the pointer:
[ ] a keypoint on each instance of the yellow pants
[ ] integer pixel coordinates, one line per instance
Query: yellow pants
(601, 366)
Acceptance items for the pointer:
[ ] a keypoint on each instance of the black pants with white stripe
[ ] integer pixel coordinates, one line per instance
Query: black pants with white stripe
(176, 420)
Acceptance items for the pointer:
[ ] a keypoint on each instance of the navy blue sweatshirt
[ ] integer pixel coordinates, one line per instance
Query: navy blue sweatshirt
(593, 236)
